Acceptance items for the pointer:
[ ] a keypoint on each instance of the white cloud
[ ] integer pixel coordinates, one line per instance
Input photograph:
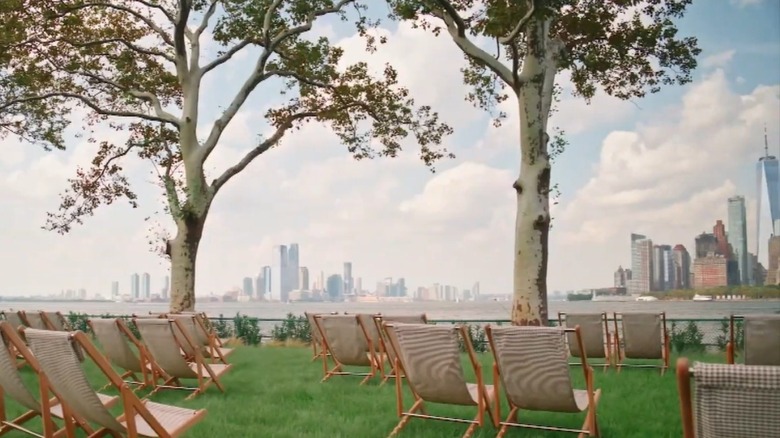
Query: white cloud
(746, 3)
(720, 59)
(393, 217)
(669, 178)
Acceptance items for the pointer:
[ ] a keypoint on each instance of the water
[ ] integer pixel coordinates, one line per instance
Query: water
(490, 310)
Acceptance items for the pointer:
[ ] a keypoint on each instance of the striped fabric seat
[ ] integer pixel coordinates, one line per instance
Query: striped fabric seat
(643, 336)
(431, 360)
(343, 338)
(387, 352)
(762, 340)
(595, 335)
(729, 400)
(533, 369)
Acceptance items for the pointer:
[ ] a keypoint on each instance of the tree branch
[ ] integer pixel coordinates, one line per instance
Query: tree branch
(225, 57)
(179, 33)
(457, 30)
(152, 25)
(205, 23)
(509, 39)
(88, 102)
(259, 75)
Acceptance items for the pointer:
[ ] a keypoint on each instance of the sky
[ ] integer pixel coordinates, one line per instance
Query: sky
(662, 166)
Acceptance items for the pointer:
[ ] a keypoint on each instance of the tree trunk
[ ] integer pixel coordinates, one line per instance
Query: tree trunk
(183, 251)
(532, 225)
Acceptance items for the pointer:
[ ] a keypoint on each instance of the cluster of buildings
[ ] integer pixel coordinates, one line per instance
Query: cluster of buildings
(285, 280)
(140, 289)
(720, 258)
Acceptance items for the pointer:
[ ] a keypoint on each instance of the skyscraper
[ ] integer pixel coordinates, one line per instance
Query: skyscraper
(682, 267)
(249, 289)
(114, 289)
(135, 286)
(768, 206)
(279, 276)
(147, 286)
(737, 237)
(348, 281)
(641, 264)
(335, 287)
(265, 291)
(293, 266)
(303, 276)
(166, 288)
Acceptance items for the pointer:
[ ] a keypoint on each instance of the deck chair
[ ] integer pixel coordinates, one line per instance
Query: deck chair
(60, 355)
(54, 321)
(644, 336)
(34, 319)
(386, 348)
(14, 319)
(12, 385)
(165, 345)
(371, 335)
(730, 400)
(761, 338)
(343, 339)
(116, 341)
(596, 338)
(316, 339)
(429, 356)
(199, 334)
(531, 363)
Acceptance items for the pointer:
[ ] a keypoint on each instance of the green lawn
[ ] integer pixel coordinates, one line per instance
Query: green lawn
(276, 392)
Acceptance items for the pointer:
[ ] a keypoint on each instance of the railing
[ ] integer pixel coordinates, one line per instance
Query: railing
(690, 335)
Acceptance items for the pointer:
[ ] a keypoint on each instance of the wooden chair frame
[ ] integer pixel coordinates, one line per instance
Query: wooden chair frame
(385, 346)
(731, 353)
(50, 324)
(610, 359)
(317, 348)
(590, 426)
(665, 348)
(150, 370)
(417, 410)
(131, 403)
(171, 382)
(338, 368)
(684, 374)
(50, 429)
(374, 350)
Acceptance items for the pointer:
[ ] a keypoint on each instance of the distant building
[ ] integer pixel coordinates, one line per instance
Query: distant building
(773, 253)
(710, 271)
(622, 277)
(641, 264)
(682, 267)
(767, 213)
(669, 274)
(705, 243)
(249, 288)
(135, 286)
(348, 281)
(303, 278)
(166, 288)
(147, 286)
(737, 238)
(335, 287)
(114, 289)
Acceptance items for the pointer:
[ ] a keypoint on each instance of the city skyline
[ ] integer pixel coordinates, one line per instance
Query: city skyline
(662, 165)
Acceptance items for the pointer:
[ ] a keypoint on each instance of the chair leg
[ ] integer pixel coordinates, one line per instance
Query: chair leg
(405, 418)
(510, 418)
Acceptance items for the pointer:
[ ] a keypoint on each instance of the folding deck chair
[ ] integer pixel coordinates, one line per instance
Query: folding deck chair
(531, 363)
(344, 340)
(115, 339)
(12, 385)
(386, 348)
(596, 338)
(33, 319)
(429, 356)
(14, 319)
(371, 334)
(60, 355)
(54, 321)
(163, 339)
(730, 400)
(644, 336)
(192, 323)
(761, 338)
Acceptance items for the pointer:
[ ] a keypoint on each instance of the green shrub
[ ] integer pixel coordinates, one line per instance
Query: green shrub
(292, 328)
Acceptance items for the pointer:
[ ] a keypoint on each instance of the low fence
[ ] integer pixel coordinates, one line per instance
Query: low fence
(689, 335)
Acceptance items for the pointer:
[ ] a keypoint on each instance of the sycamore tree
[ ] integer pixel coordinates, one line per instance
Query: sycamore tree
(138, 66)
(626, 48)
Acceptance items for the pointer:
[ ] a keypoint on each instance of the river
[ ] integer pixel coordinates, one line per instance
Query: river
(488, 310)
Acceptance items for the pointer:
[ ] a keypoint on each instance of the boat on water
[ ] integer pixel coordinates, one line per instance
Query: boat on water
(646, 298)
(698, 297)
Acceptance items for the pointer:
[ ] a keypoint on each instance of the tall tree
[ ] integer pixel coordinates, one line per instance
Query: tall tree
(626, 48)
(138, 66)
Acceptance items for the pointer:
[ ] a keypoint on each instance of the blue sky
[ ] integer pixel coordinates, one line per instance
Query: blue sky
(662, 166)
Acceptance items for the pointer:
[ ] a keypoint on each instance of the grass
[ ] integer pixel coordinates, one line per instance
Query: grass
(276, 392)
